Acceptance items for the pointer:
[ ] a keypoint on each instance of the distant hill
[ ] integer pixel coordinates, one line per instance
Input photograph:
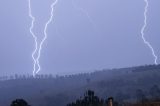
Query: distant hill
(124, 84)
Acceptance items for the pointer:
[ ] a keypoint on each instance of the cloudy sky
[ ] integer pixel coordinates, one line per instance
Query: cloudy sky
(85, 35)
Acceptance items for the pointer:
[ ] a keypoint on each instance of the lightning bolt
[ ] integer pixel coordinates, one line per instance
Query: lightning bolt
(38, 48)
(34, 36)
(45, 33)
(85, 12)
(143, 29)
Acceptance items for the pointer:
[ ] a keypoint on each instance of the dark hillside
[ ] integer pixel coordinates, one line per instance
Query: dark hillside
(125, 84)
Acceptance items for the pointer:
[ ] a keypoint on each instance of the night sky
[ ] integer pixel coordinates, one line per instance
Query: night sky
(84, 36)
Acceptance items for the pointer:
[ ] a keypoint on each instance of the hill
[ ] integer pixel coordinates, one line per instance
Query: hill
(124, 84)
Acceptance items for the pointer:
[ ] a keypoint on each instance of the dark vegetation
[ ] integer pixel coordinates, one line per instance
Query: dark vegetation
(90, 99)
(124, 85)
(19, 102)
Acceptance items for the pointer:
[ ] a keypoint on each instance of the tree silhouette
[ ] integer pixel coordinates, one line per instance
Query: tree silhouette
(89, 100)
(155, 92)
(19, 102)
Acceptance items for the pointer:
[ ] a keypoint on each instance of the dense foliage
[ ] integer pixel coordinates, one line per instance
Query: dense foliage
(19, 102)
(89, 99)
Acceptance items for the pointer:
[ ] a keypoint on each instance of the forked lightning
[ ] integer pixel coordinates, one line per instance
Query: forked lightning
(38, 48)
(36, 54)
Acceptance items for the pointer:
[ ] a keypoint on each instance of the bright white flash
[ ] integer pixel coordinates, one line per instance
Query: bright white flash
(34, 36)
(45, 33)
(143, 29)
(38, 48)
